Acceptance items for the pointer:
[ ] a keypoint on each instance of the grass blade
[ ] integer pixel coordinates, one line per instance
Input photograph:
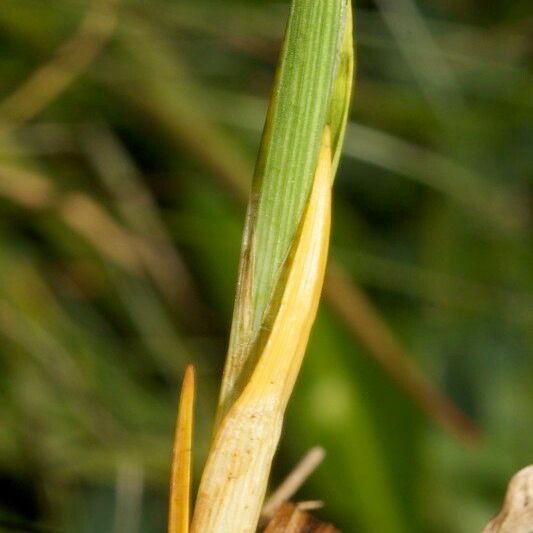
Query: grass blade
(300, 107)
(180, 482)
(235, 477)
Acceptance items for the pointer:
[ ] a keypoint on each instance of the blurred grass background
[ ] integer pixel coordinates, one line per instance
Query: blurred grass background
(128, 132)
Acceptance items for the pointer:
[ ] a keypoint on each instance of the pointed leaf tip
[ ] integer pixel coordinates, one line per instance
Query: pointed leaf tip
(180, 481)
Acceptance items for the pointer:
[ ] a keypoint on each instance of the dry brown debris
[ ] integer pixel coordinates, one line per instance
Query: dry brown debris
(290, 518)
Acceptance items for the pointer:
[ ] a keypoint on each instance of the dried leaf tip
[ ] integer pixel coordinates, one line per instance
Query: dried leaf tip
(180, 481)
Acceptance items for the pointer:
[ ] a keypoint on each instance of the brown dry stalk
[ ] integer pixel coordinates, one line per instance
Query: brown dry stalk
(291, 518)
(293, 481)
(364, 321)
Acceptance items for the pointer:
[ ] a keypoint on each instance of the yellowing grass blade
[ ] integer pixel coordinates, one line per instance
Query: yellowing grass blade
(180, 481)
(311, 88)
(235, 477)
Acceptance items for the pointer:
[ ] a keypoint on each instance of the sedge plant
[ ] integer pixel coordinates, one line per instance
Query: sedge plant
(282, 267)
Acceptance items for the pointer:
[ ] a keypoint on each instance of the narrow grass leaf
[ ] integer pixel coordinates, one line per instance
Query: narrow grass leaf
(235, 477)
(317, 41)
(180, 481)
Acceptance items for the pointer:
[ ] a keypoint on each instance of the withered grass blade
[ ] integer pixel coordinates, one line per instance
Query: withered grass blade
(180, 481)
(235, 477)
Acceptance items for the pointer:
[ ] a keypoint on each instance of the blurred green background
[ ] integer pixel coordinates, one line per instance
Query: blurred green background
(128, 132)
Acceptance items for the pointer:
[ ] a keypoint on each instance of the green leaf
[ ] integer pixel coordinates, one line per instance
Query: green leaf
(311, 89)
(340, 102)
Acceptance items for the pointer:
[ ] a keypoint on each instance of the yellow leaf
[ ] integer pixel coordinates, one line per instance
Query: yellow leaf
(235, 477)
(180, 481)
